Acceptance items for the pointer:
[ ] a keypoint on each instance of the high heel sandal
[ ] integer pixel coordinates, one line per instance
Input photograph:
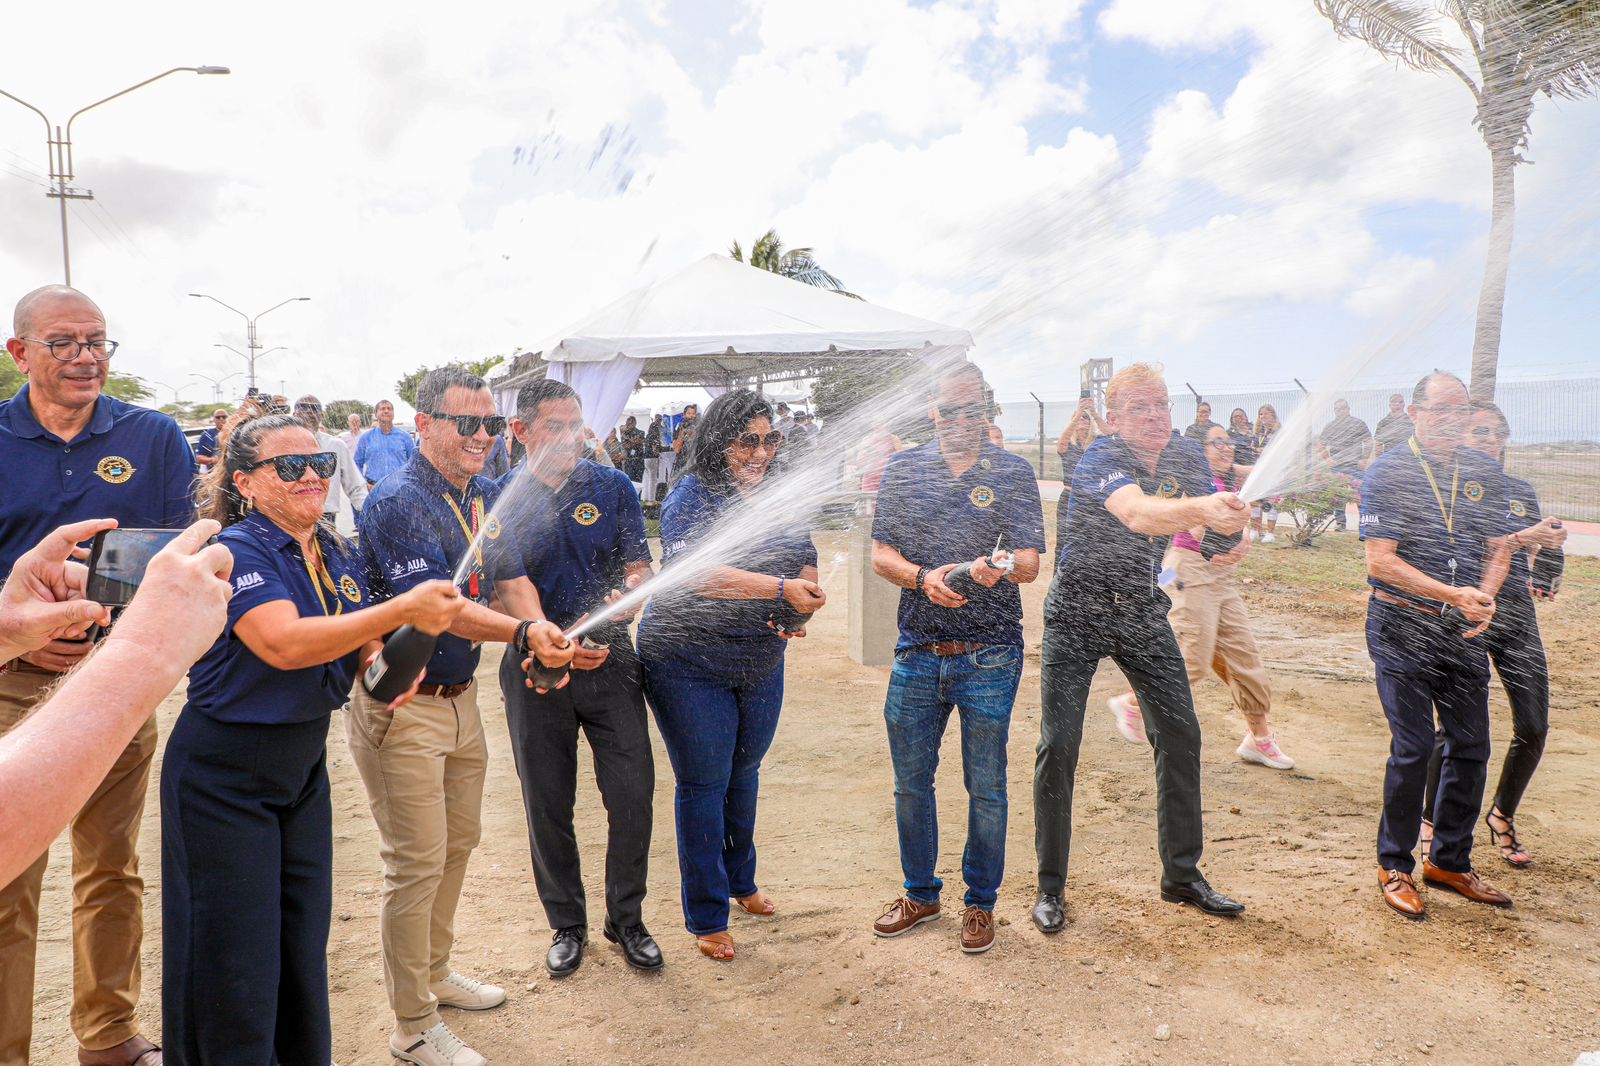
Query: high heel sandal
(757, 903)
(1427, 840)
(717, 946)
(1515, 855)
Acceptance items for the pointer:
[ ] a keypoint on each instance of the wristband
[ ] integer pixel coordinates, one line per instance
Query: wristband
(922, 576)
(520, 641)
(780, 588)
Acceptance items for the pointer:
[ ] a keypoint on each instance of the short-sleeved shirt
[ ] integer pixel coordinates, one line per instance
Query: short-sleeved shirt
(411, 533)
(379, 454)
(131, 463)
(1244, 447)
(1393, 429)
(1099, 556)
(932, 519)
(206, 445)
(1522, 512)
(724, 636)
(230, 682)
(1346, 438)
(573, 542)
(1198, 431)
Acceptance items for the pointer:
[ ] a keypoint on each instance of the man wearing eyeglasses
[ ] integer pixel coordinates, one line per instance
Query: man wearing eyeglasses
(70, 454)
(205, 449)
(424, 770)
(347, 481)
(1435, 518)
(1131, 492)
(957, 500)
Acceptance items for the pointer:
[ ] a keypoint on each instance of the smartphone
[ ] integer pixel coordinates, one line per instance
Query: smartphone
(117, 562)
(1084, 394)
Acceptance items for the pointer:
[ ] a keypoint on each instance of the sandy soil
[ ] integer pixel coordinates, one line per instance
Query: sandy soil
(1317, 971)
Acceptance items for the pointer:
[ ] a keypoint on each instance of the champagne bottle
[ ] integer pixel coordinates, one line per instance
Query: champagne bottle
(404, 656)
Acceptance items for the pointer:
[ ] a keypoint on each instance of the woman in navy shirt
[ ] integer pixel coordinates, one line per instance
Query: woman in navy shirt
(246, 823)
(713, 659)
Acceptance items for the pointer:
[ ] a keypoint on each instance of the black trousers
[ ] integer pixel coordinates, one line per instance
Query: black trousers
(1517, 652)
(608, 706)
(1138, 638)
(246, 893)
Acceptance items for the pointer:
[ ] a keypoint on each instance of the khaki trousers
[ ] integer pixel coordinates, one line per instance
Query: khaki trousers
(107, 897)
(1213, 629)
(424, 768)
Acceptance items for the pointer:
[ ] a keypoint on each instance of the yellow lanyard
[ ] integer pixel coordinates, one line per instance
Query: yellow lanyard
(472, 530)
(318, 572)
(1449, 516)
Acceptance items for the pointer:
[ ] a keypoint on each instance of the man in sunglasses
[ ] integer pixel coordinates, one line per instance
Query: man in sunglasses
(70, 454)
(424, 770)
(347, 480)
(205, 448)
(955, 501)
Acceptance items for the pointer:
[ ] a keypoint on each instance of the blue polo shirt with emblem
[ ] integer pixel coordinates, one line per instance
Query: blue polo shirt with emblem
(932, 518)
(1399, 503)
(573, 542)
(1098, 556)
(411, 534)
(131, 463)
(206, 445)
(379, 454)
(230, 683)
(1522, 512)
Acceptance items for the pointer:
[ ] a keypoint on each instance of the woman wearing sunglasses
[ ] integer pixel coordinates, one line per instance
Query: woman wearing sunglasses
(713, 659)
(246, 823)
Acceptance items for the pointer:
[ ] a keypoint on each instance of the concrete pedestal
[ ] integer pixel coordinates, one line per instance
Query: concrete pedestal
(873, 602)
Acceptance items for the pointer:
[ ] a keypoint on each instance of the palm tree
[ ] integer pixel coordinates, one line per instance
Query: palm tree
(799, 264)
(1521, 48)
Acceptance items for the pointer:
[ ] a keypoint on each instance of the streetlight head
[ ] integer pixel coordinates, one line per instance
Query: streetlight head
(212, 70)
(199, 295)
(302, 297)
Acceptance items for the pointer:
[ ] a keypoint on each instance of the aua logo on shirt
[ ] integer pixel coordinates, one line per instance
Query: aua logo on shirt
(247, 581)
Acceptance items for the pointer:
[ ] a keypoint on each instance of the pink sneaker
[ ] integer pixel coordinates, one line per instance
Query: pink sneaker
(1264, 750)
(1130, 723)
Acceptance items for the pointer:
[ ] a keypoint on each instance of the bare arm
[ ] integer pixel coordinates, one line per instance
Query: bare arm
(889, 564)
(518, 596)
(1155, 516)
(285, 639)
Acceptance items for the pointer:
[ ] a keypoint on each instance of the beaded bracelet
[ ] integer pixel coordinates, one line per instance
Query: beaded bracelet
(922, 576)
(780, 588)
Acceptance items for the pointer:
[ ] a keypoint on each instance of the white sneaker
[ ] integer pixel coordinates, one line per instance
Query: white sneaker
(464, 993)
(434, 1047)
(1267, 538)
(1264, 750)
(1130, 722)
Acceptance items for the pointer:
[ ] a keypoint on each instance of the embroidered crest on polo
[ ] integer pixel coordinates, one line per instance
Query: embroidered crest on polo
(587, 514)
(1518, 508)
(1472, 491)
(491, 528)
(351, 590)
(981, 496)
(114, 469)
(1168, 487)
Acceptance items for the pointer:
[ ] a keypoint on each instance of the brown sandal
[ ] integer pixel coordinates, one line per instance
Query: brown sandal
(134, 1051)
(717, 946)
(757, 903)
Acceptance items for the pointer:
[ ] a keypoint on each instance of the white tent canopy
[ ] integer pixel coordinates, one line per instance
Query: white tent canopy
(720, 324)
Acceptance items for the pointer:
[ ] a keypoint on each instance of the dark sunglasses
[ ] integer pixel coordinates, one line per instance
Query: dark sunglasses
(952, 411)
(293, 467)
(756, 440)
(467, 425)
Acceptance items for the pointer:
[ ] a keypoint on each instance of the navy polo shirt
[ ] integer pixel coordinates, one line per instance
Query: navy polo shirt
(933, 519)
(207, 444)
(379, 454)
(1098, 555)
(1522, 512)
(230, 683)
(574, 542)
(131, 463)
(410, 534)
(723, 636)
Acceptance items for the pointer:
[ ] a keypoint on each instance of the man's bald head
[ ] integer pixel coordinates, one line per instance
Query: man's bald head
(28, 307)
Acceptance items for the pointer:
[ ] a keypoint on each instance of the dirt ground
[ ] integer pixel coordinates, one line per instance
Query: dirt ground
(1318, 970)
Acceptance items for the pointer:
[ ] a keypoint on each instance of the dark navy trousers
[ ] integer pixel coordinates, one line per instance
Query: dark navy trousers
(246, 893)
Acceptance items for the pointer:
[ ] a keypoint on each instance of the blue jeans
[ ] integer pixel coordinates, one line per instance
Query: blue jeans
(716, 729)
(923, 689)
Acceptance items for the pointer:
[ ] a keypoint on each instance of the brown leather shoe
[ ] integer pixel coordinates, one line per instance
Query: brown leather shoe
(134, 1051)
(901, 915)
(1400, 892)
(1469, 884)
(977, 930)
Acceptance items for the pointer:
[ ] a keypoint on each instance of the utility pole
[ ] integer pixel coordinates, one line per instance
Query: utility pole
(59, 144)
(1041, 431)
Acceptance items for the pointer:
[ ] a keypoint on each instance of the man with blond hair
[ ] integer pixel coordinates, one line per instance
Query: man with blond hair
(1131, 491)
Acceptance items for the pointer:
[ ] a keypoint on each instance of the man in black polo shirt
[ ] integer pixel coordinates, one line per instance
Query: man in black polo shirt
(954, 501)
(1130, 493)
(71, 454)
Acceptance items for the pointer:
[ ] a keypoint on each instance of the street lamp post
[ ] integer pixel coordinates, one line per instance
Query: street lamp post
(59, 145)
(252, 345)
(177, 390)
(216, 383)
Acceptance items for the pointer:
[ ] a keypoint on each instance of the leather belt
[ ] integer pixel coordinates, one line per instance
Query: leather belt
(1400, 601)
(951, 647)
(443, 692)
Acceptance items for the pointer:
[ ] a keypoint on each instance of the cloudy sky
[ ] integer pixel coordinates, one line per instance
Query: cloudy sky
(1221, 185)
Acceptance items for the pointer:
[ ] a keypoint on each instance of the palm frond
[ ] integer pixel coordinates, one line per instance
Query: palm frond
(1557, 43)
(736, 252)
(1397, 30)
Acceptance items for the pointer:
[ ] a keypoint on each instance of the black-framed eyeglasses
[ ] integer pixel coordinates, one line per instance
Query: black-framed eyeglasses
(750, 441)
(1446, 410)
(1487, 433)
(1219, 444)
(467, 425)
(66, 350)
(292, 468)
(1146, 410)
(973, 412)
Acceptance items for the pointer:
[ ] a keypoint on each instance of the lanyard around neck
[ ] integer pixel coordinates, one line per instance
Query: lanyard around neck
(471, 531)
(318, 572)
(1449, 515)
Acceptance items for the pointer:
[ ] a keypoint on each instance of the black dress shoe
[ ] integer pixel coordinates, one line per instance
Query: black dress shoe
(1049, 914)
(566, 953)
(638, 946)
(1201, 895)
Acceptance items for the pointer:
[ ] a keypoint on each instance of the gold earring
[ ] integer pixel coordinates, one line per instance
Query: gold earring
(249, 505)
